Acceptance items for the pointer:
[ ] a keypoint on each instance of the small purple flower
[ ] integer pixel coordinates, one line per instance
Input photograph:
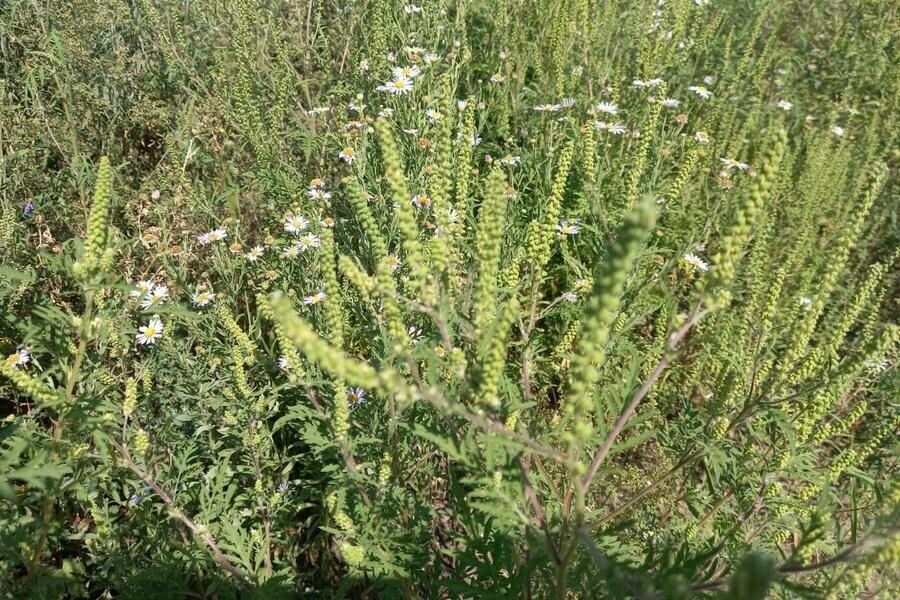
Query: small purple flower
(283, 487)
(29, 209)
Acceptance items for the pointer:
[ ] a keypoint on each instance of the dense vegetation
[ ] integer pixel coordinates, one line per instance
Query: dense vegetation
(472, 299)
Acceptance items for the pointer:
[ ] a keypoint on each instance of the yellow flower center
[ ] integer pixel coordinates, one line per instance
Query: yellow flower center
(149, 331)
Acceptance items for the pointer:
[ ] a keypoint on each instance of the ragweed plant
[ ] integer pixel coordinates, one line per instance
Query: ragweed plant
(376, 299)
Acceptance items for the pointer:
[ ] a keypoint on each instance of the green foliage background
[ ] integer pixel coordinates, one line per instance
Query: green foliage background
(584, 415)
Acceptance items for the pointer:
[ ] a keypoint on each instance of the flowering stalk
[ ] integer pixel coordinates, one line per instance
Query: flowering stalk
(724, 264)
(539, 242)
(406, 220)
(488, 241)
(494, 359)
(636, 170)
(600, 313)
(241, 339)
(802, 333)
(384, 278)
(96, 251)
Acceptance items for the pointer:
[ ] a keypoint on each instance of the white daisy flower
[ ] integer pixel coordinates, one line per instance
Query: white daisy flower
(296, 224)
(701, 91)
(405, 72)
(878, 366)
(547, 107)
(670, 102)
(348, 155)
(386, 113)
(784, 105)
(283, 363)
(730, 163)
(149, 333)
(497, 78)
(695, 262)
(398, 86)
(613, 128)
(318, 110)
(204, 239)
(355, 396)
(412, 9)
(568, 227)
(421, 201)
(805, 303)
(327, 222)
(394, 262)
(203, 298)
(217, 235)
(415, 333)
(430, 58)
(142, 288)
(701, 137)
(255, 253)
(363, 66)
(837, 130)
(509, 159)
(19, 358)
(316, 298)
(305, 242)
(155, 194)
(610, 108)
(157, 295)
(433, 116)
(318, 194)
(570, 297)
(291, 251)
